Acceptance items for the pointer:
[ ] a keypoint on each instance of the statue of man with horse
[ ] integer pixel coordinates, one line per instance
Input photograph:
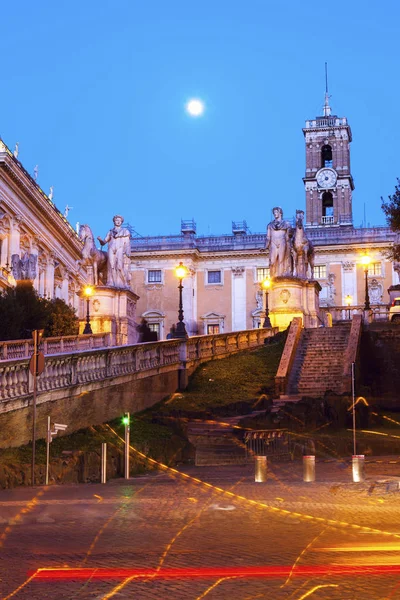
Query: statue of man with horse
(291, 253)
(92, 256)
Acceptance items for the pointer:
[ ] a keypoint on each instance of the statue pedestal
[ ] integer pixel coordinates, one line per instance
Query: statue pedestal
(112, 310)
(291, 297)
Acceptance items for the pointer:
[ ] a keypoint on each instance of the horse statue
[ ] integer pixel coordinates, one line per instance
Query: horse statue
(92, 256)
(302, 249)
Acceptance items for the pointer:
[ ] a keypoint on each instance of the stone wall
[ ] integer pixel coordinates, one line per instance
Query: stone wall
(379, 373)
(80, 410)
(91, 387)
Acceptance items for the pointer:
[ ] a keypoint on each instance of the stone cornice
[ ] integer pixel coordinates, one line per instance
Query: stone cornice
(40, 204)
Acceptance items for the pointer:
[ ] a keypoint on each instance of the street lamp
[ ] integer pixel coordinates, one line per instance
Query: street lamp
(366, 260)
(180, 331)
(348, 300)
(88, 291)
(266, 284)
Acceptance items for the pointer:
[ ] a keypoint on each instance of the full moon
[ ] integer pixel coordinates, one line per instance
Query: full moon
(195, 107)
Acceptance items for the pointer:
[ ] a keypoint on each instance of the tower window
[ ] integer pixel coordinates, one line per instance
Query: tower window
(326, 156)
(327, 204)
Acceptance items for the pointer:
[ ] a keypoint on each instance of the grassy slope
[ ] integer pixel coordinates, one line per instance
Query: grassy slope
(243, 377)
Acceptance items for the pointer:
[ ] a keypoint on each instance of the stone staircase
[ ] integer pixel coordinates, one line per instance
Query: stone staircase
(319, 361)
(217, 443)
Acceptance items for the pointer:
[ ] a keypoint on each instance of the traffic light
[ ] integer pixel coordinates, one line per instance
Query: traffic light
(125, 419)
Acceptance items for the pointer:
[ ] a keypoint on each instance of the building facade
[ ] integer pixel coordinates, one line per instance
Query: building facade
(36, 241)
(222, 290)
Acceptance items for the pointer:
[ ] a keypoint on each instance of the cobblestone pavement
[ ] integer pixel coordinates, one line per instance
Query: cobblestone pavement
(168, 521)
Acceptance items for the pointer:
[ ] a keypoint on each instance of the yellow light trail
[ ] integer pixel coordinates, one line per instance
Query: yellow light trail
(15, 520)
(164, 555)
(262, 505)
(300, 556)
(19, 588)
(214, 585)
(106, 524)
(383, 547)
(317, 587)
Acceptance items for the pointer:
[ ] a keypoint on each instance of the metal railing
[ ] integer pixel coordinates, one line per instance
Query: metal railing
(268, 442)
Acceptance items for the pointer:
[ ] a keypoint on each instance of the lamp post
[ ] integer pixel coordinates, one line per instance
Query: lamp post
(348, 300)
(88, 292)
(266, 284)
(365, 260)
(181, 272)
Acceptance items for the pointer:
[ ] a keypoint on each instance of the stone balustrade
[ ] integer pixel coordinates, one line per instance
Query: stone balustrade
(54, 345)
(107, 366)
(379, 312)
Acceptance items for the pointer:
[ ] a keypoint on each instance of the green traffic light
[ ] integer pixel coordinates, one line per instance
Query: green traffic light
(125, 420)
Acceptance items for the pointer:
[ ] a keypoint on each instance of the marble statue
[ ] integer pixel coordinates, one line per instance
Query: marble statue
(278, 243)
(16, 267)
(66, 210)
(118, 254)
(51, 193)
(35, 172)
(16, 150)
(302, 249)
(24, 268)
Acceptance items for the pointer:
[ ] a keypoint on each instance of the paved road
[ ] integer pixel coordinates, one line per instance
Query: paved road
(167, 521)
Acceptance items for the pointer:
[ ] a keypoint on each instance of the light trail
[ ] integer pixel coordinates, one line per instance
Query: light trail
(317, 587)
(262, 505)
(264, 572)
(166, 551)
(20, 587)
(213, 586)
(15, 520)
(300, 556)
(106, 524)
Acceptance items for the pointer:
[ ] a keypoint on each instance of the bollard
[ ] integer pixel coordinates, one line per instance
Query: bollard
(358, 468)
(260, 469)
(309, 468)
(103, 462)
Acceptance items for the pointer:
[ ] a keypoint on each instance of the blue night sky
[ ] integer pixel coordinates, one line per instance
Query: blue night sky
(95, 93)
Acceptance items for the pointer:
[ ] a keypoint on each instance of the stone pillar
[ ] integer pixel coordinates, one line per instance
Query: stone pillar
(15, 235)
(49, 289)
(238, 299)
(291, 297)
(64, 286)
(112, 310)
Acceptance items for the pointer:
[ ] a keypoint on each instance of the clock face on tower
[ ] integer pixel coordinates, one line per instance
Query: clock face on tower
(326, 178)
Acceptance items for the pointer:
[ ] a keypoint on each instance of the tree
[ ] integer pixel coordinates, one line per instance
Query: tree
(22, 311)
(391, 208)
(61, 319)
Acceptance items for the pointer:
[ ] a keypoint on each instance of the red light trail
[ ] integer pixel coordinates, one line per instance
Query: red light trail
(211, 572)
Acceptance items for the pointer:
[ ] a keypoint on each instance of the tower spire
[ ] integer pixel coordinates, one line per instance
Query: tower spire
(327, 108)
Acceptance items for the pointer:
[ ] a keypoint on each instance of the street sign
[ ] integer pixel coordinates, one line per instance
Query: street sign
(39, 364)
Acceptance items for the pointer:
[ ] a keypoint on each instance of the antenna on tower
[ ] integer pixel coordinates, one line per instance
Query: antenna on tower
(327, 108)
(326, 78)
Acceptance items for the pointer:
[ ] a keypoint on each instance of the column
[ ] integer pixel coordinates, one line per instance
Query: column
(49, 289)
(238, 299)
(64, 286)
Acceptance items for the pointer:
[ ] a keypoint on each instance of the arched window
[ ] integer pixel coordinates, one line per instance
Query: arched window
(327, 204)
(326, 156)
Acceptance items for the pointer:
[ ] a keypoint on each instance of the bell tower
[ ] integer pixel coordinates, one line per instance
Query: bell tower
(328, 181)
